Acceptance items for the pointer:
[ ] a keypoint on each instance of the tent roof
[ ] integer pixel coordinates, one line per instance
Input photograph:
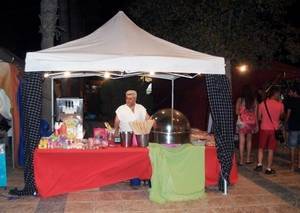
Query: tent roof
(120, 45)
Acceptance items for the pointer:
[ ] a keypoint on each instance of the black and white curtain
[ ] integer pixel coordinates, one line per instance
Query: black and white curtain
(32, 106)
(220, 101)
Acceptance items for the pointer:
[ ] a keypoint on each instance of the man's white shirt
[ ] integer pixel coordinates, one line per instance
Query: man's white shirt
(126, 115)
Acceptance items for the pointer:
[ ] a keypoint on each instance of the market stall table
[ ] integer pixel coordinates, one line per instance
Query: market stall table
(59, 171)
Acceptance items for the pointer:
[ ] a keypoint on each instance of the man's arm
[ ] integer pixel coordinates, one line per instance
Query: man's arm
(117, 124)
(288, 114)
(259, 115)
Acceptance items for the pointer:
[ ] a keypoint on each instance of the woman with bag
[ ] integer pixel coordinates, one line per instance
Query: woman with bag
(270, 112)
(246, 108)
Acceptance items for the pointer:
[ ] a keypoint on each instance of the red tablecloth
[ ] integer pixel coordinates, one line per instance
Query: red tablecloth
(61, 171)
(212, 168)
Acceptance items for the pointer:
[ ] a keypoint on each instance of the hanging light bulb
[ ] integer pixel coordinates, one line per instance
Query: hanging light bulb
(152, 73)
(106, 75)
(46, 75)
(67, 74)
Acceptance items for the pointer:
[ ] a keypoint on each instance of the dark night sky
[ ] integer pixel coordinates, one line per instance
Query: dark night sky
(20, 21)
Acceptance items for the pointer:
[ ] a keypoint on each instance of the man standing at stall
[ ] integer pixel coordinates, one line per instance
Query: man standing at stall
(131, 111)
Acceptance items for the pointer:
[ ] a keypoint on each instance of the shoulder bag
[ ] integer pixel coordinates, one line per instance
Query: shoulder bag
(278, 132)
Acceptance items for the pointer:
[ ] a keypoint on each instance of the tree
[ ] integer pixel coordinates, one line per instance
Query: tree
(241, 31)
(64, 20)
(48, 29)
(48, 17)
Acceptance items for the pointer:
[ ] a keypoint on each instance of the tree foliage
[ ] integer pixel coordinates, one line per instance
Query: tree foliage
(254, 31)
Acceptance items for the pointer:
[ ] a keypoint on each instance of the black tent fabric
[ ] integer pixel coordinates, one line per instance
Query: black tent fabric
(32, 103)
(220, 101)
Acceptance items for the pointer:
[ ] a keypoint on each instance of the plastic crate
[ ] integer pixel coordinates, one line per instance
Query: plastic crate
(3, 176)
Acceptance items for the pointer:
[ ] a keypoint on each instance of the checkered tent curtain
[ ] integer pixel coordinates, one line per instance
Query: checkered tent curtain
(220, 101)
(32, 106)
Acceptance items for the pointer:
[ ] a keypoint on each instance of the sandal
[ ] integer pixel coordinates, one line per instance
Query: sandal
(270, 172)
(258, 168)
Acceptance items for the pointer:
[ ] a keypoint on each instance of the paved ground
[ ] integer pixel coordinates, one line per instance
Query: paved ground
(255, 192)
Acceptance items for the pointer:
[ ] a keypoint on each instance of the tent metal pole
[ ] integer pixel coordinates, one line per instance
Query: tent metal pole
(12, 147)
(172, 104)
(225, 187)
(52, 104)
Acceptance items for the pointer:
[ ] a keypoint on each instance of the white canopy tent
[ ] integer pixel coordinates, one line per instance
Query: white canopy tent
(120, 45)
(122, 49)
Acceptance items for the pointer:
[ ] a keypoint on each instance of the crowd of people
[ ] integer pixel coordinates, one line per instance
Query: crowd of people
(275, 120)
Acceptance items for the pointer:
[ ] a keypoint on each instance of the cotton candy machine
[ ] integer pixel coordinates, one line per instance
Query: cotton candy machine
(170, 127)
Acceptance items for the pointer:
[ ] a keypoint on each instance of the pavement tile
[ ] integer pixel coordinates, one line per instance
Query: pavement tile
(81, 196)
(134, 195)
(109, 206)
(50, 207)
(79, 207)
(283, 209)
(109, 195)
(17, 207)
(245, 200)
(141, 205)
(219, 201)
(55, 199)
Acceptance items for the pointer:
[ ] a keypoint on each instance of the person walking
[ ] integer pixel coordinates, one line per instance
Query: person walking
(270, 112)
(246, 110)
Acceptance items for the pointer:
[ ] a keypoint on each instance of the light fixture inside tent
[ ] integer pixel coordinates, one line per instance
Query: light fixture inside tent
(67, 74)
(106, 75)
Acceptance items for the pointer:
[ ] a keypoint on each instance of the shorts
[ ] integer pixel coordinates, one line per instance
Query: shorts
(294, 139)
(267, 140)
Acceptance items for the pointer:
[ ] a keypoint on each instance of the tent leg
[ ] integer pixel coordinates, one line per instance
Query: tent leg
(225, 187)
(52, 104)
(172, 104)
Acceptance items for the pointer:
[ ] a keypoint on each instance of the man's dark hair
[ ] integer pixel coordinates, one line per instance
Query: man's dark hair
(274, 90)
